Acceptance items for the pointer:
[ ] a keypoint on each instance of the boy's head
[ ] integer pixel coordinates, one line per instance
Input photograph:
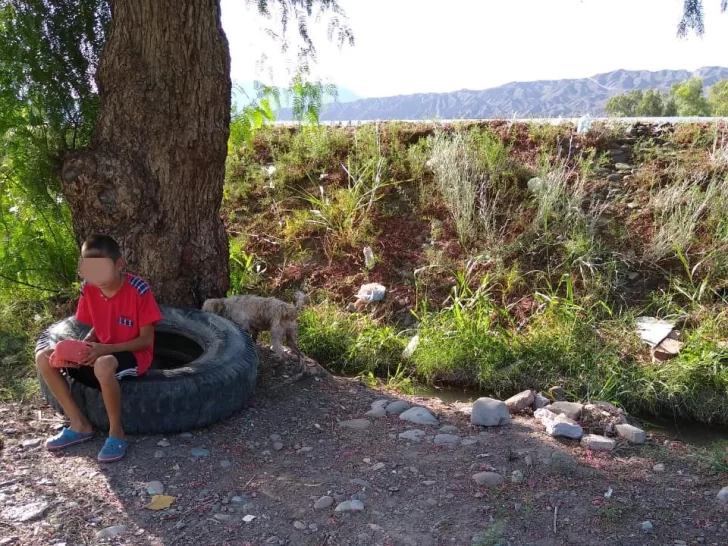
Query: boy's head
(101, 260)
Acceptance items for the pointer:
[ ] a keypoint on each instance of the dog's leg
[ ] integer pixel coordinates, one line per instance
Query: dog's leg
(277, 332)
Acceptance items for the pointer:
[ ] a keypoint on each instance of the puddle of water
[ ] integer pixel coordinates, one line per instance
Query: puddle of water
(689, 433)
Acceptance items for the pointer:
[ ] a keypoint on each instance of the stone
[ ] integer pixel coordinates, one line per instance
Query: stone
(659, 467)
(377, 413)
(273, 540)
(240, 500)
(469, 442)
(111, 532)
(413, 435)
(557, 393)
(323, 503)
(598, 443)
(277, 446)
(540, 401)
(418, 416)
(34, 442)
(449, 429)
(248, 518)
(355, 424)
(186, 435)
(313, 527)
(520, 401)
(571, 409)
(299, 525)
(155, 488)
(623, 167)
(490, 479)
(199, 452)
(381, 403)
(223, 518)
(558, 425)
(668, 348)
(275, 437)
(614, 178)
(26, 512)
(632, 434)
(429, 482)
(488, 412)
(517, 476)
(225, 464)
(447, 439)
(377, 466)
(397, 407)
(164, 443)
(723, 495)
(646, 526)
(350, 506)
(159, 454)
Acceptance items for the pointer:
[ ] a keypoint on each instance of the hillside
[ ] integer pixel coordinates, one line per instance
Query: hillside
(546, 98)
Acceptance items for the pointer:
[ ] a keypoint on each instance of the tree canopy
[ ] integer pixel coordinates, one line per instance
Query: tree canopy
(693, 17)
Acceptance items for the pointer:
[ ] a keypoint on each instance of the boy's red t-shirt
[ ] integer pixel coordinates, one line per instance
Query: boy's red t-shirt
(118, 319)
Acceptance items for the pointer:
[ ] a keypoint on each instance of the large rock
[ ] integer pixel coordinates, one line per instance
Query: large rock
(519, 402)
(558, 424)
(414, 435)
(598, 443)
(419, 416)
(355, 424)
(447, 439)
(632, 434)
(723, 495)
(571, 409)
(540, 401)
(491, 479)
(350, 506)
(26, 512)
(488, 412)
(397, 407)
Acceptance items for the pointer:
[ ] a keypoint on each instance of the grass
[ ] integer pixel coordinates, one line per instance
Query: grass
(510, 287)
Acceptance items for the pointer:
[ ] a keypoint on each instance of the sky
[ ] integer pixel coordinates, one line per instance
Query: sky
(419, 46)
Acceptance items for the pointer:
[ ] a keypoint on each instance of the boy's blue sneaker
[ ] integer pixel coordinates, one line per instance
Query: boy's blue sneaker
(67, 438)
(113, 450)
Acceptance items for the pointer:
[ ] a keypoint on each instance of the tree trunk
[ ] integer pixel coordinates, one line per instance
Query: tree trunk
(153, 175)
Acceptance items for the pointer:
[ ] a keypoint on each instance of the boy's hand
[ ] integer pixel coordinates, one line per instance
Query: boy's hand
(94, 352)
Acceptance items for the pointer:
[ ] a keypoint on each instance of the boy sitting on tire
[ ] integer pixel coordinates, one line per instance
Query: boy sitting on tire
(122, 311)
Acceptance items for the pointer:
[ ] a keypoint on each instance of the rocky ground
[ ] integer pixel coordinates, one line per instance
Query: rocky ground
(320, 463)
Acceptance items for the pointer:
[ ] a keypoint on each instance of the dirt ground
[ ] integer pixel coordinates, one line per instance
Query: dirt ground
(413, 493)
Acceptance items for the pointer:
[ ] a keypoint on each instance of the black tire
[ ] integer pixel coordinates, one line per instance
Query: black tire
(204, 370)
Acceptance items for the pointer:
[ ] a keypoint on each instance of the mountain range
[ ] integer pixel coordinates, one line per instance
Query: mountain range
(545, 98)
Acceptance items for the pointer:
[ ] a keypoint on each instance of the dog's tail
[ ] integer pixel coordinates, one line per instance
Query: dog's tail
(299, 300)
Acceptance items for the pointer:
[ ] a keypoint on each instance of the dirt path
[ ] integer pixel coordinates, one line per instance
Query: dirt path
(413, 492)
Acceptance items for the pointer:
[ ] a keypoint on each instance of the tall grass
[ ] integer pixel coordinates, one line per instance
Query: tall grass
(471, 170)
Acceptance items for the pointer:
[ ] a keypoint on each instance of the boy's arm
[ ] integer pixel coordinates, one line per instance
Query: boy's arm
(144, 341)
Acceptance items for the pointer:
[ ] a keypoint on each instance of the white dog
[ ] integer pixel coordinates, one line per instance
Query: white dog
(256, 314)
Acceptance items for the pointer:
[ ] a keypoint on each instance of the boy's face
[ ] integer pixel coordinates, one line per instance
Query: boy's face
(99, 270)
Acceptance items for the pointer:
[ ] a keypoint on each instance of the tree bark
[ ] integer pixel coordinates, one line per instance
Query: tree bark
(153, 175)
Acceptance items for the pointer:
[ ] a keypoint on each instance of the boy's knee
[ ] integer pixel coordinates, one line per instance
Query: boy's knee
(42, 359)
(105, 368)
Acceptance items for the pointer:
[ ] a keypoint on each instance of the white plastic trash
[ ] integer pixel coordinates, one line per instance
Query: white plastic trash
(371, 292)
(584, 125)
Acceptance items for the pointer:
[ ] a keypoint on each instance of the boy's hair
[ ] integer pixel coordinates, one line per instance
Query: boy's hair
(105, 245)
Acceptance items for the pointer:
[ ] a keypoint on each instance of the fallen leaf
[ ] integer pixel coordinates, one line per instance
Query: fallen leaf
(248, 518)
(160, 502)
